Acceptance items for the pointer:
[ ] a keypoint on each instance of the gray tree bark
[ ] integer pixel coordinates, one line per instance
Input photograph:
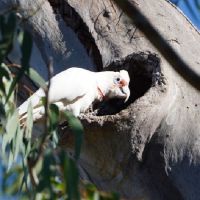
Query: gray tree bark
(150, 147)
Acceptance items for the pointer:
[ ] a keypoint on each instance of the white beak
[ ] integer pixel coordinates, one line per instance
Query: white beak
(126, 91)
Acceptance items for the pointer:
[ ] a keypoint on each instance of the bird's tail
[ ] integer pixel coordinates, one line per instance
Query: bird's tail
(36, 102)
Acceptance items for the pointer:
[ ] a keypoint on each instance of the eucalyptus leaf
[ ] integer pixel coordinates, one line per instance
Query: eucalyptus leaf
(5, 77)
(27, 147)
(47, 174)
(4, 72)
(7, 28)
(54, 117)
(5, 142)
(71, 177)
(26, 48)
(28, 131)
(2, 113)
(11, 129)
(29, 121)
(35, 77)
(77, 128)
(10, 160)
(55, 139)
(12, 125)
(18, 142)
(2, 88)
(25, 176)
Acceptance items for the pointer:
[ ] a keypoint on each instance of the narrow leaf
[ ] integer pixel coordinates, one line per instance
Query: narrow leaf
(77, 128)
(11, 128)
(26, 48)
(10, 160)
(54, 117)
(71, 177)
(7, 32)
(35, 77)
(18, 142)
(29, 121)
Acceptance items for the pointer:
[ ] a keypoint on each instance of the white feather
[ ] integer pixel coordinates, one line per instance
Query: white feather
(75, 89)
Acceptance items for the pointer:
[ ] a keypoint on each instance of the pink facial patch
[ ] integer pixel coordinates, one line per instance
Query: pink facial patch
(123, 83)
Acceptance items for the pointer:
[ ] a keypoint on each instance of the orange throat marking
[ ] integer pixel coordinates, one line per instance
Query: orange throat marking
(101, 94)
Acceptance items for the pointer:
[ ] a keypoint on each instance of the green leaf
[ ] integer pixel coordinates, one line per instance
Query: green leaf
(2, 113)
(4, 74)
(12, 125)
(54, 117)
(13, 84)
(77, 128)
(13, 138)
(35, 77)
(18, 142)
(10, 160)
(53, 123)
(47, 174)
(25, 176)
(71, 177)
(29, 121)
(11, 129)
(55, 139)
(28, 132)
(26, 48)
(7, 32)
(27, 147)
(96, 196)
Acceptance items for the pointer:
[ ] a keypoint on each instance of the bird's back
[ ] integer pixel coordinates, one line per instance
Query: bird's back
(70, 84)
(67, 85)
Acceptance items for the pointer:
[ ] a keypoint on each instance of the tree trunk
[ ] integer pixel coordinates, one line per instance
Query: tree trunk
(150, 147)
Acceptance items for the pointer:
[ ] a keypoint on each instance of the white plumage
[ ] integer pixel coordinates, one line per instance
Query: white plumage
(75, 89)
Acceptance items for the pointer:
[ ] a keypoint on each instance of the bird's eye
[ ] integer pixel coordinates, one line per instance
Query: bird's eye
(118, 79)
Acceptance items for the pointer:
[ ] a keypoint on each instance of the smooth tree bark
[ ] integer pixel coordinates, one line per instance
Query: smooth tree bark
(148, 148)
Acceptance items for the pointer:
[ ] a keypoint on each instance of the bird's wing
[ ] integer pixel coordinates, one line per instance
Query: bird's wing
(65, 88)
(34, 100)
(68, 85)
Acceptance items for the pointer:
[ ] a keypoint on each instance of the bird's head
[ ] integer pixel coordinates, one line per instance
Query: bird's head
(120, 86)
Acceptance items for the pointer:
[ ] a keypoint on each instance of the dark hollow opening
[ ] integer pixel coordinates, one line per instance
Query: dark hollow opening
(144, 71)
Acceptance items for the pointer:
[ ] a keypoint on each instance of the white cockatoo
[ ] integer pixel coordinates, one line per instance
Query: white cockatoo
(75, 89)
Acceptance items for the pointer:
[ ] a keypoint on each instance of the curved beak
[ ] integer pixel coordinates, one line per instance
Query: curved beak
(126, 91)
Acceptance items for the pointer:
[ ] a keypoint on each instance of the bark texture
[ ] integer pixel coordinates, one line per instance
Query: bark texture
(150, 147)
